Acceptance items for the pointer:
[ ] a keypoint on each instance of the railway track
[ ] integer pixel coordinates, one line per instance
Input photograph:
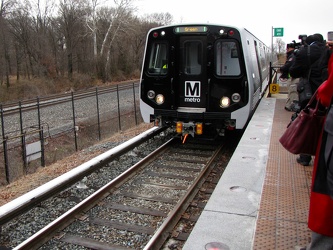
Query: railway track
(142, 207)
(56, 99)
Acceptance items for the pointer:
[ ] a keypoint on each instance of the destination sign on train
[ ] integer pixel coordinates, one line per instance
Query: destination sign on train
(190, 29)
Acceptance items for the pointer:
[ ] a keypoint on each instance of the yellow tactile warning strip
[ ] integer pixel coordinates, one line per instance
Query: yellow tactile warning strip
(284, 206)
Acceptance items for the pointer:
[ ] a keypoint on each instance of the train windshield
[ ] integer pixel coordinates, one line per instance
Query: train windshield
(227, 60)
(192, 58)
(158, 61)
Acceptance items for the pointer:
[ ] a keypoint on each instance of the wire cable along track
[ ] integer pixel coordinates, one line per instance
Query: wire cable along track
(137, 210)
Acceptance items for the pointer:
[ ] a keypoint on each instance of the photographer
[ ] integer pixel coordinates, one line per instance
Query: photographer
(308, 67)
(291, 82)
(306, 58)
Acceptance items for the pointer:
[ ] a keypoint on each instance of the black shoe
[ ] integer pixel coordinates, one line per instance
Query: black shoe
(288, 109)
(302, 162)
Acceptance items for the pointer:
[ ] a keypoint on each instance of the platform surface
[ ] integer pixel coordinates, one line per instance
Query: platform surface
(262, 198)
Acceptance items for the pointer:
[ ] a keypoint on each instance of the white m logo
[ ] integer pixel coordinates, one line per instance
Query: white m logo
(192, 89)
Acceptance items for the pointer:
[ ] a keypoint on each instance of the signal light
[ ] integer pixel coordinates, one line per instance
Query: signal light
(198, 129)
(155, 34)
(179, 127)
(236, 97)
(151, 94)
(231, 32)
(157, 122)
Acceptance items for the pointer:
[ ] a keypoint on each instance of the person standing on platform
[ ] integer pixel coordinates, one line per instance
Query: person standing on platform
(329, 42)
(306, 67)
(292, 99)
(321, 199)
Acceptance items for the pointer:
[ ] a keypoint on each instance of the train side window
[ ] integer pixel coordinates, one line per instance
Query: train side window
(192, 57)
(158, 60)
(227, 59)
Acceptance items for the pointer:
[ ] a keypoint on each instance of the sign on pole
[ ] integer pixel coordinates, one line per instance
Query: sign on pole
(274, 88)
(33, 151)
(278, 31)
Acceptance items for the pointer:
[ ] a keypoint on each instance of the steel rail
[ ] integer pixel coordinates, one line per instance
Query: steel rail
(44, 234)
(31, 104)
(27, 201)
(170, 222)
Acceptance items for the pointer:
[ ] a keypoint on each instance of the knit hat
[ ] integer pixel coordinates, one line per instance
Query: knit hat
(310, 39)
(318, 37)
(314, 38)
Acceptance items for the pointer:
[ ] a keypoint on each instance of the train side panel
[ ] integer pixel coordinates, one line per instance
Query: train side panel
(257, 69)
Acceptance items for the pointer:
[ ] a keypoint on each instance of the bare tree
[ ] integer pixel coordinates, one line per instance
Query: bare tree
(91, 21)
(280, 46)
(103, 39)
(158, 18)
(72, 18)
(5, 9)
(117, 21)
(29, 26)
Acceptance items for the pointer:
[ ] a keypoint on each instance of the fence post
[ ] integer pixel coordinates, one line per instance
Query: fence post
(4, 141)
(270, 79)
(119, 123)
(136, 119)
(74, 123)
(25, 164)
(24, 152)
(98, 120)
(41, 135)
(42, 148)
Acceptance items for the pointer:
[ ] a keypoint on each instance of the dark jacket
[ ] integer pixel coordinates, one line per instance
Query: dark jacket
(306, 57)
(285, 68)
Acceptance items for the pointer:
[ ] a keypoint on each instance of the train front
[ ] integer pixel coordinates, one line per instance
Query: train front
(193, 78)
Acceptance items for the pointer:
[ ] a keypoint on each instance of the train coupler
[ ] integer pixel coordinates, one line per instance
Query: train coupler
(191, 128)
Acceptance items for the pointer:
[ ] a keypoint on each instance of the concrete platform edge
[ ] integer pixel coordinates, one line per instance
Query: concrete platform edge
(231, 213)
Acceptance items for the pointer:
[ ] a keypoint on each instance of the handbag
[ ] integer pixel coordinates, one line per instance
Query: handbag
(303, 133)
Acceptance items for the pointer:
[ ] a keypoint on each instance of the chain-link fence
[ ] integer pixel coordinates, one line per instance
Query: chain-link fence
(39, 132)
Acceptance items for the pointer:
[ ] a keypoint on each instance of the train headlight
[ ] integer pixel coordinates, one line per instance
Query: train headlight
(151, 94)
(236, 97)
(159, 99)
(225, 102)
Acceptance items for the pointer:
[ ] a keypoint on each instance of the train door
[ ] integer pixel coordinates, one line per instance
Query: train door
(258, 57)
(192, 73)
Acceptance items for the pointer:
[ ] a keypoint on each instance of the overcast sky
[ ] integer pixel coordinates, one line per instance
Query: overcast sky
(258, 16)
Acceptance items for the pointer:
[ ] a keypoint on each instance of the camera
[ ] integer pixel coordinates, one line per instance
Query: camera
(297, 46)
(302, 38)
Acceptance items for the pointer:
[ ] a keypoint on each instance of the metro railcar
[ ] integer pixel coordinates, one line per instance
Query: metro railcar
(202, 78)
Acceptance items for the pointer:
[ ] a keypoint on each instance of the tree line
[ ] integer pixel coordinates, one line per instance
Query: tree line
(58, 38)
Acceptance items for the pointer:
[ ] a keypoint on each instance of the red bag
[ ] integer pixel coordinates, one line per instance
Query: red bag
(302, 134)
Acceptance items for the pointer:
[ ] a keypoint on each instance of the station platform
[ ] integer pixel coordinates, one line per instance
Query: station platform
(262, 199)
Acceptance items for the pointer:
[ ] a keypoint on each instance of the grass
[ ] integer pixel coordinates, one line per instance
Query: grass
(28, 89)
